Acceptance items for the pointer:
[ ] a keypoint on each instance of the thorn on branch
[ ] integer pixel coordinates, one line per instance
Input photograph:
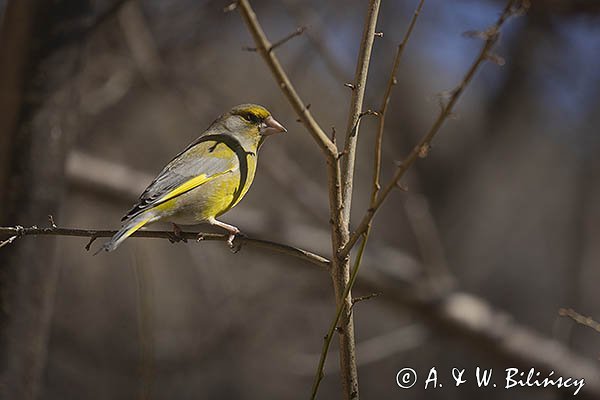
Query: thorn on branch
(92, 240)
(495, 58)
(443, 97)
(8, 241)
(424, 150)
(474, 34)
(365, 298)
(349, 85)
(379, 34)
(520, 9)
(299, 31)
(489, 34)
(398, 185)
(369, 112)
(333, 134)
(51, 220)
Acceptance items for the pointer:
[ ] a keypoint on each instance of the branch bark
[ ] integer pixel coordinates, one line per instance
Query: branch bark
(15, 232)
(341, 207)
(386, 101)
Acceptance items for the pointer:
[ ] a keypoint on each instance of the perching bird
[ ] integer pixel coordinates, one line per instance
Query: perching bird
(206, 179)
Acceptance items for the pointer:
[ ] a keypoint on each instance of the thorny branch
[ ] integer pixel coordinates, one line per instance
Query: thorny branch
(299, 31)
(15, 232)
(336, 320)
(385, 102)
(421, 150)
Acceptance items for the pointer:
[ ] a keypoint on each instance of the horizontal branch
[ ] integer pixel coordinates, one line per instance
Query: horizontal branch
(15, 232)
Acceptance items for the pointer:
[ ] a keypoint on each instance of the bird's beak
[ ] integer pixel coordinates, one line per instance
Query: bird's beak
(271, 126)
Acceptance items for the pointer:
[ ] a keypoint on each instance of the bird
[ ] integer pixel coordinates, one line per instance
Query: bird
(208, 178)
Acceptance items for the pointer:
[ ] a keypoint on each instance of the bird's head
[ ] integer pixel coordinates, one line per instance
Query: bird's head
(252, 119)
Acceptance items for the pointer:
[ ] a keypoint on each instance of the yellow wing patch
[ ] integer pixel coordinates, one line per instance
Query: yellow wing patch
(187, 186)
(134, 228)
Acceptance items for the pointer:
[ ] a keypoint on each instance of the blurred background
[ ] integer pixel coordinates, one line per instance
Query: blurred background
(502, 220)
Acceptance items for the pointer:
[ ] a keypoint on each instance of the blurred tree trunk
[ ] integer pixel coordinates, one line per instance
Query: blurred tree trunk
(40, 50)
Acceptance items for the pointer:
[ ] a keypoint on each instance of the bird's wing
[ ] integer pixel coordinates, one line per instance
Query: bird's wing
(204, 160)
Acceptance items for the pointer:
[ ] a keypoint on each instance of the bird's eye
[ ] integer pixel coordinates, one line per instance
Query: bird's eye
(251, 118)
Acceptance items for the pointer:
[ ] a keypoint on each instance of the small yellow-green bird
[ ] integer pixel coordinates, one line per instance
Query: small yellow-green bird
(206, 179)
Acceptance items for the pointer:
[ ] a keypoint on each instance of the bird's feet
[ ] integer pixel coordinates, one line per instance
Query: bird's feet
(235, 241)
(233, 233)
(175, 236)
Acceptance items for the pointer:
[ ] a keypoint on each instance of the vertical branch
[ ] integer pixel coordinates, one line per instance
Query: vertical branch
(334, 323)
(342, 207)
(356, 106)
(386, 101)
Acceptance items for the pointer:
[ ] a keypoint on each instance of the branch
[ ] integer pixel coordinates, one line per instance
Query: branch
(579, 318)
(340, 206)
(356, 108)
(15, 232)
(299, 31)
(385, 102)
(421, 150)
(342, 306)
(263, 45)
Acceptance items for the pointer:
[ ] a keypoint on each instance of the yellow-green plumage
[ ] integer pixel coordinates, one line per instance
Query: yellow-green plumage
(208, 178)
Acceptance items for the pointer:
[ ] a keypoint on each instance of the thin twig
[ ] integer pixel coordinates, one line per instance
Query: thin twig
(263, 45)
(299, 31)
(367, 297)
(356, 105)
(579, 318)
(386, 100)
(8, 241)
(421, 150)
(15, 231)
(334, 323)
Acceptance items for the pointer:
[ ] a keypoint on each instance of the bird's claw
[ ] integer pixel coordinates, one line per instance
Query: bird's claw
(235, 245)
(176, 236)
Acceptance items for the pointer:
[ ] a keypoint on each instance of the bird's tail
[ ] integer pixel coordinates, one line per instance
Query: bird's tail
(128, 228)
